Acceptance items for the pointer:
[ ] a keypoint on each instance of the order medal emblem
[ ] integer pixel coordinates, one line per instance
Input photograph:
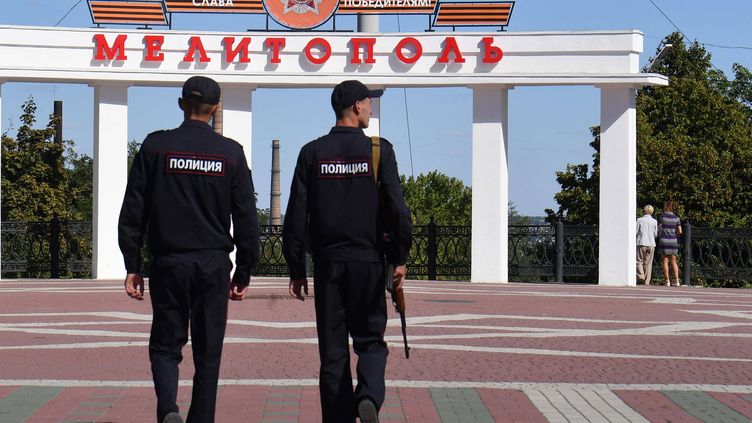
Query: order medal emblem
(300, 14)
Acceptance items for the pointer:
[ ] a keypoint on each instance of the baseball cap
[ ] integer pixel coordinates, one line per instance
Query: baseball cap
(346, 93)
(203, 89)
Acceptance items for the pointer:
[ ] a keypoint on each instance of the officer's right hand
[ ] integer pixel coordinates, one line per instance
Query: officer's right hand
(237, 291)
(134, 286)
(295, 287)
(398, 277)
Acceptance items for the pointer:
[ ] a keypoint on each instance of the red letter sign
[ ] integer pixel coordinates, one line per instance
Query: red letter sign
(105, 52)
(356, 44)
(153, 47)
(275, 44)
(196, 45)
(231, 54)
(450, 46)
(491, 53)
(326, 47)
(402, 44)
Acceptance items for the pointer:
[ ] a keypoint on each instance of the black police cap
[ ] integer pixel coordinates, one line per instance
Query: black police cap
(202, 89)
(346, 93)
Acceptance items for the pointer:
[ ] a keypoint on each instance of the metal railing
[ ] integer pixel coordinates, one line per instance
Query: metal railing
(553, 253)
(46, 249)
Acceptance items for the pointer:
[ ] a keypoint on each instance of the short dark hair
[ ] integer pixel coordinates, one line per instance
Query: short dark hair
(340, 113)
(197, 107)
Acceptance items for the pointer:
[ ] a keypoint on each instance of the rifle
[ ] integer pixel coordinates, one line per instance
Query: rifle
(398, 301)
(398, 295)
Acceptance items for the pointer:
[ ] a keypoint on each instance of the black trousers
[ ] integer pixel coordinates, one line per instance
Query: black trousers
(350, 300)
(188, 289)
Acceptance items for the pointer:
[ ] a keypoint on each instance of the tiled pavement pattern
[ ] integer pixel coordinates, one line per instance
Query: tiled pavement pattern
(75, 351)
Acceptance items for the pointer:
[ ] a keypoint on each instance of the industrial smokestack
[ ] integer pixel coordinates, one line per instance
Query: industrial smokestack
(58, 113)
(275, 210)
(217, 118)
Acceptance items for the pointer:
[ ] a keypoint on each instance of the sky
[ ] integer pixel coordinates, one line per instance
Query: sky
(548, 126)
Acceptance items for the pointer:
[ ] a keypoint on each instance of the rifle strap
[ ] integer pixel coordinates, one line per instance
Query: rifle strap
(375, 156)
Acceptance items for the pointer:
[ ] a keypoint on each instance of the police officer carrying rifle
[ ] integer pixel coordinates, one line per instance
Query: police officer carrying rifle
(185, 186)
(334, 198)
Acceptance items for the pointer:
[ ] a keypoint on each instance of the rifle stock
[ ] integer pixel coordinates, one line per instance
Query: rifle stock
(398, 301)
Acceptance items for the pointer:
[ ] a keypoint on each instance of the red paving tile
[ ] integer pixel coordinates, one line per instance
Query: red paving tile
(259, 355)
(510, 406)
(655, 407)
(61, 406)
(418, 406)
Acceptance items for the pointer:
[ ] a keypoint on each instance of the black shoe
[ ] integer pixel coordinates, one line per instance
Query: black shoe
(172, 418)
(367, 412)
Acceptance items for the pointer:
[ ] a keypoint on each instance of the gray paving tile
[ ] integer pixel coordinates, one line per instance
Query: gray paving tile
(460, 405)
(705, 407)
(20, 404)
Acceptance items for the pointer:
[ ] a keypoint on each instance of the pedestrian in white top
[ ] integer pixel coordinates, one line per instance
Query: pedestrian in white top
(647, 232)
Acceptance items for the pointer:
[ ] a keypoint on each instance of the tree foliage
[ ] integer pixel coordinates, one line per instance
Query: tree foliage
(578, 198)
(438, 197)
(694, 145)
(80, 169)
(515, 218)
(34, 178)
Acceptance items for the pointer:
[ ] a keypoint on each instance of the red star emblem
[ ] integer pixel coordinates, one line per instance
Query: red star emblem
(301, 6)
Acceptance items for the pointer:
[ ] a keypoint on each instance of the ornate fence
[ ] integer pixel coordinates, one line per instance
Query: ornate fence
(46, 249)
(718, 253)
(440, 252)
(555, 253)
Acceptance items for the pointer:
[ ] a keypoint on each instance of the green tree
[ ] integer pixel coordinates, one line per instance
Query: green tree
(34, 177)
(437, 196)
(694, 139)
(694, 145)
(80, 169)
(133, 147)
(515, 218)
(578, 198)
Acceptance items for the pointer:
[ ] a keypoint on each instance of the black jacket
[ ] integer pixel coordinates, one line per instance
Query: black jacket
(334, 197)
(184, 185)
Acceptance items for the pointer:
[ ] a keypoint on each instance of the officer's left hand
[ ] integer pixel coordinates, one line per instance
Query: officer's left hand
(237, 292)
(296, 285)
(134, 286)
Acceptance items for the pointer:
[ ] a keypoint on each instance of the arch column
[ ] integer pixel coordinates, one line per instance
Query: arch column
(374, 125)
(1, 132)
(110, 177)
(237, 103)
(490, 185)
(617, 253)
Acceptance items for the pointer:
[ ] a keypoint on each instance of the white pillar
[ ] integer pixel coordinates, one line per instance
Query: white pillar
(490, 185)
(374, 125)
(110, 177)
(237, 116)
(237, 122)
(368, 22)
(1, 132)
(618, 187)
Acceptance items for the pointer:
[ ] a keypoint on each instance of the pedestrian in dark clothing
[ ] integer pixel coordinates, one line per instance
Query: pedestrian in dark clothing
(669, 228)
(185, 186)
(334, 198)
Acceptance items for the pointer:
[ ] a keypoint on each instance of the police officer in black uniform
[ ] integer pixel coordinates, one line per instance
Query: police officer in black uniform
(184, 187)
(335, 199)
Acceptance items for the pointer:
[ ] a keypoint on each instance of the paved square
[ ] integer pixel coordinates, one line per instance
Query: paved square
(75, 351)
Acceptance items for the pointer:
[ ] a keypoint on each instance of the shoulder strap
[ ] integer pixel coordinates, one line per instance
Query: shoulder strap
(375, 156)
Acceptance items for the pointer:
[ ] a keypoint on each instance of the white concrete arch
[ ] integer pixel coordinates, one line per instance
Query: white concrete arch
(489, 64)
